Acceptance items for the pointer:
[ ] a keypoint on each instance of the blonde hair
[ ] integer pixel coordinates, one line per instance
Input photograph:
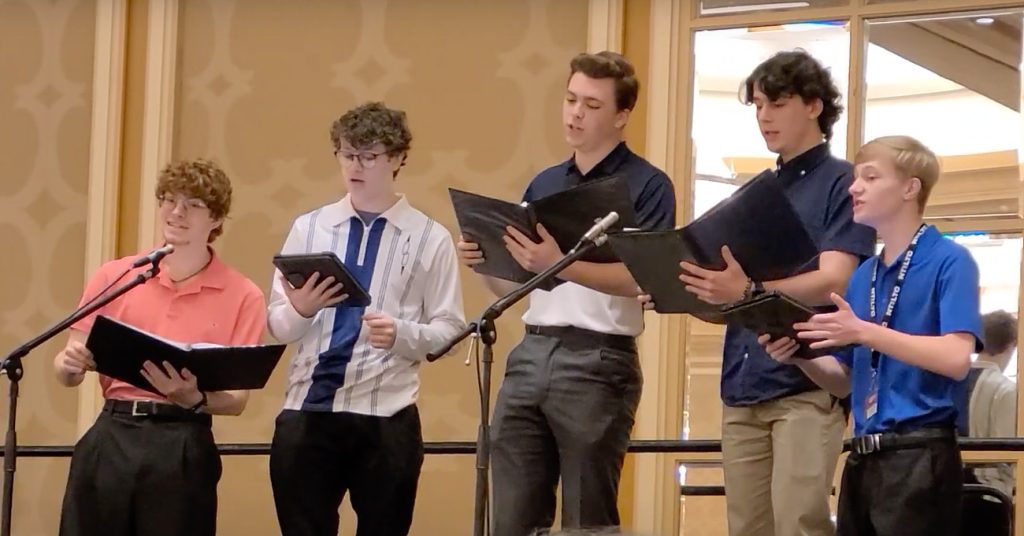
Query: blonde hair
(910, 157)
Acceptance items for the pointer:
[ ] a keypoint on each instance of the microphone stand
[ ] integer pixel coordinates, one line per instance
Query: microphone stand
(11, 366)
(486, 330)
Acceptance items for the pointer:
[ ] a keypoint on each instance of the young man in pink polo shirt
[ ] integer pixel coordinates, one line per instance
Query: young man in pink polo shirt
(149, 465)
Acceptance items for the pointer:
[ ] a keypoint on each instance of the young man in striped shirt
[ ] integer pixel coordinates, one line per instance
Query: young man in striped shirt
(350, 422)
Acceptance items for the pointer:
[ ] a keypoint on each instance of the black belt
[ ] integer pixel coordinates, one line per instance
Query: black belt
(153, 410)
(624, 343)
(866, 444)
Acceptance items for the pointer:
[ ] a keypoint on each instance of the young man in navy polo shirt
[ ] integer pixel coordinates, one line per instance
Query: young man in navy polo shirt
(571, 389)
(777, 481)
(911, 317)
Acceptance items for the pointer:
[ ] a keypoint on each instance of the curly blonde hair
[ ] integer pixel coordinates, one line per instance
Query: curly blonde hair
(198, 179)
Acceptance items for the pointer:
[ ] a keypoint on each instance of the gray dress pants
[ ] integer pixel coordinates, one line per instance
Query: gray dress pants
(565, 410)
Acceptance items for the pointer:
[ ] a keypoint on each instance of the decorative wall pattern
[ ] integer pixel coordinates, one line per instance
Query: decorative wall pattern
(46, 66)
(258, 89)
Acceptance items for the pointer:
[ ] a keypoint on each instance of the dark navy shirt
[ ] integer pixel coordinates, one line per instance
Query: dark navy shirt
(817, 185)
(939, 296)
(654, 199)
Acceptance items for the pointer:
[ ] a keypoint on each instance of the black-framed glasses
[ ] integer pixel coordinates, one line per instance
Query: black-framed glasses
(367, 159)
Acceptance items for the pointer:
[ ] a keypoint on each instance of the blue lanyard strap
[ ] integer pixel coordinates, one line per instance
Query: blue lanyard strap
(894, 296)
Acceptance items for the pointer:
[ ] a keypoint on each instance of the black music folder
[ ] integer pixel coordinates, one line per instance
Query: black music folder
(757, 222)
(567, 215)
(300, 267)
(120, 350)
(774, 313)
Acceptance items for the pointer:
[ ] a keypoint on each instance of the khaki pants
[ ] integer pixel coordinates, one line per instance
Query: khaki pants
(779, 458)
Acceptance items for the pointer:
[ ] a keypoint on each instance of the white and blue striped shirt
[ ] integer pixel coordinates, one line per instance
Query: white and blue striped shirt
(407, 263)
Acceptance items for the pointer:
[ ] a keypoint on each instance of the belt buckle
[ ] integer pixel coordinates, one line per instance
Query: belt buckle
(136, 412)
(869, 443)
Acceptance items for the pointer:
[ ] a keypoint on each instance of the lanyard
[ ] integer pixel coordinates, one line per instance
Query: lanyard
(900, 278)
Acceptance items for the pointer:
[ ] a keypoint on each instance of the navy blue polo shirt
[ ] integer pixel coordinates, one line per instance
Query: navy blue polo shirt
(939, 296)
(817, 185)
(654, 199)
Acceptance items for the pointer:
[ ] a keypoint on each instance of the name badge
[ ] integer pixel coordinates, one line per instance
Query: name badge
(871, 401)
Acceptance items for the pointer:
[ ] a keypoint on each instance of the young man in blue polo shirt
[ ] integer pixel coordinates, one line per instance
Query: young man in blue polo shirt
(911, 317)
(777, 481)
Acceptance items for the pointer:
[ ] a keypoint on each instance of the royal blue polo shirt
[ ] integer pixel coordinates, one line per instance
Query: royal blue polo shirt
(939, 296)
(817, 184)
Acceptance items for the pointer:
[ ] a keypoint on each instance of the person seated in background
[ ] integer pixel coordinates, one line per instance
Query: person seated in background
(992, 397)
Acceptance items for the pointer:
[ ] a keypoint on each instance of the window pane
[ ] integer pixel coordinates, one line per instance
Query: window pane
(733, 7)
(998, 258)
(702, 510)
(728, 145)
(954, 84)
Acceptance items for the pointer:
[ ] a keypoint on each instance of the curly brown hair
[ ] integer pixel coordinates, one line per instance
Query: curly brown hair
(198, 179)
(795, 73)
(612, 65)
(372, 123)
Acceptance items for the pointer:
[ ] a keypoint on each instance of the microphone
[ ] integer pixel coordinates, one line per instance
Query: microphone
(600, 227)
(154, 256)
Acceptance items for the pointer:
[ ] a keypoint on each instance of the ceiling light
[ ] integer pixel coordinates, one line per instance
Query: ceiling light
(984, 21)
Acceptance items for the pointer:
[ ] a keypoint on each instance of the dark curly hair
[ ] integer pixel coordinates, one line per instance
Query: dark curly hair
(998, 332)
(793, 73)
(370, 124)
(612, 65)
(198, 179)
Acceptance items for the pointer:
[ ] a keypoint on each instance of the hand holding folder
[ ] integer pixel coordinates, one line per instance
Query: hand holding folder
(120, 351)
(757, 223)
(567, 215)
(774, 313)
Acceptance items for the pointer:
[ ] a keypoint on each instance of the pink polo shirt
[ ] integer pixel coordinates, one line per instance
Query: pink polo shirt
(219, 305)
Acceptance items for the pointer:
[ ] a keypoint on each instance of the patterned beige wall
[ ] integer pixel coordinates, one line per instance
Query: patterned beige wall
(46, 65)
(258, 87)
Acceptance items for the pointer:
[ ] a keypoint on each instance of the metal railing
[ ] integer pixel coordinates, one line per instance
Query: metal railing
(637, 446)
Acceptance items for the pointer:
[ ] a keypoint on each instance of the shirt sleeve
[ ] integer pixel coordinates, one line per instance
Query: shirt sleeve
(528, 195)
(283, 321)
(99, 281)
(656, 205)
(959, 297)
(442, 316)
(841, 232)
(252, 319)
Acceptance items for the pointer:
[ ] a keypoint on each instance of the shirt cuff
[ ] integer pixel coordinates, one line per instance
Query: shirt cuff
(290, 322)
(406, 338)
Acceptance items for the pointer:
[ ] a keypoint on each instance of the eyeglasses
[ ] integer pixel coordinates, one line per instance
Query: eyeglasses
(191, 204)
(367, 159)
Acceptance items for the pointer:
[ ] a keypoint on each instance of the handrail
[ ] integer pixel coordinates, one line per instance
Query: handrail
(638, 446)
